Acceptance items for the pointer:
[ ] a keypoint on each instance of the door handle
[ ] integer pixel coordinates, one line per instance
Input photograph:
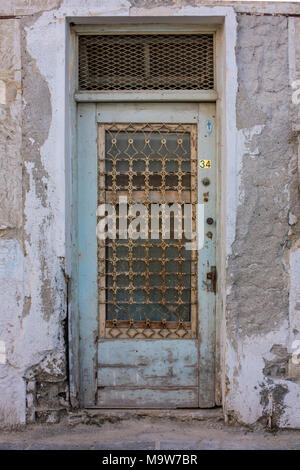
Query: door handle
(212, 276)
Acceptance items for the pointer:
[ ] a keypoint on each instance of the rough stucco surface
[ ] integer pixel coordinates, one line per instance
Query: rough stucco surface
(33, 303)
(10, 128)
(26, 7)
(263, 304)
(258, 323)
(297, 47)
(12, 388)
(260, 280)
(45, 376)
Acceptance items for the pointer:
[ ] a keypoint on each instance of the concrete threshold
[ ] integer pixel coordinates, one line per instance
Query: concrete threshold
(100, 416)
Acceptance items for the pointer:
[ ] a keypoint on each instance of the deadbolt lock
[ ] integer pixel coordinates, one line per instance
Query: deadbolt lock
(209, 220)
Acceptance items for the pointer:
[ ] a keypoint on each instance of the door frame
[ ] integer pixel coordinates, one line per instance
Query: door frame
(90, 115)
(224, 27)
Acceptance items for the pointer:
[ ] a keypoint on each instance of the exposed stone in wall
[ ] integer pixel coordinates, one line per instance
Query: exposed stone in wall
(47, 392)
(294, 311)
(272, 400)
(27, 7)
(10, 129)
(297, 47)
(278, 365)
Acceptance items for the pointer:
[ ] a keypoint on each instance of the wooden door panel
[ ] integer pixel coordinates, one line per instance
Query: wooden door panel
(144, 371)
(142, 363)
(148, 398)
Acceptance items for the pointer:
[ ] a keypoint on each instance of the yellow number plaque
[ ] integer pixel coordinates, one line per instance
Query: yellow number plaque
(205, 163)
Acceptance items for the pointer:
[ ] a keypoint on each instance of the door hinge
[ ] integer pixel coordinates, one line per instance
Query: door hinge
(212, 276)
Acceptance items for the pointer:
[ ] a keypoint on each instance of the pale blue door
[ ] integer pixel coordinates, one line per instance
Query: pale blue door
(147, 302)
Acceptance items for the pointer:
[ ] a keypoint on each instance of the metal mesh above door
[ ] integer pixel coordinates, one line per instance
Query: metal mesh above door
(146, 62)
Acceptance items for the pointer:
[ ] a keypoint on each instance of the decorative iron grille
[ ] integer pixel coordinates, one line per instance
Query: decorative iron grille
(146, 62)
(147, 287)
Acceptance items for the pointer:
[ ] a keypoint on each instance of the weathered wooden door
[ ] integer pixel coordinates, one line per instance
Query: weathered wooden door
(147, 301)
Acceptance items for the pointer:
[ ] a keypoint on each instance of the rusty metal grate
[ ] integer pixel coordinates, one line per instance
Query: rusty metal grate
(147, 287)
(146, 62)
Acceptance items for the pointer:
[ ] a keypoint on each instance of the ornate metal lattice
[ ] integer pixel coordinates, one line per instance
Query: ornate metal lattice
(146, 62)
(148, 287)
